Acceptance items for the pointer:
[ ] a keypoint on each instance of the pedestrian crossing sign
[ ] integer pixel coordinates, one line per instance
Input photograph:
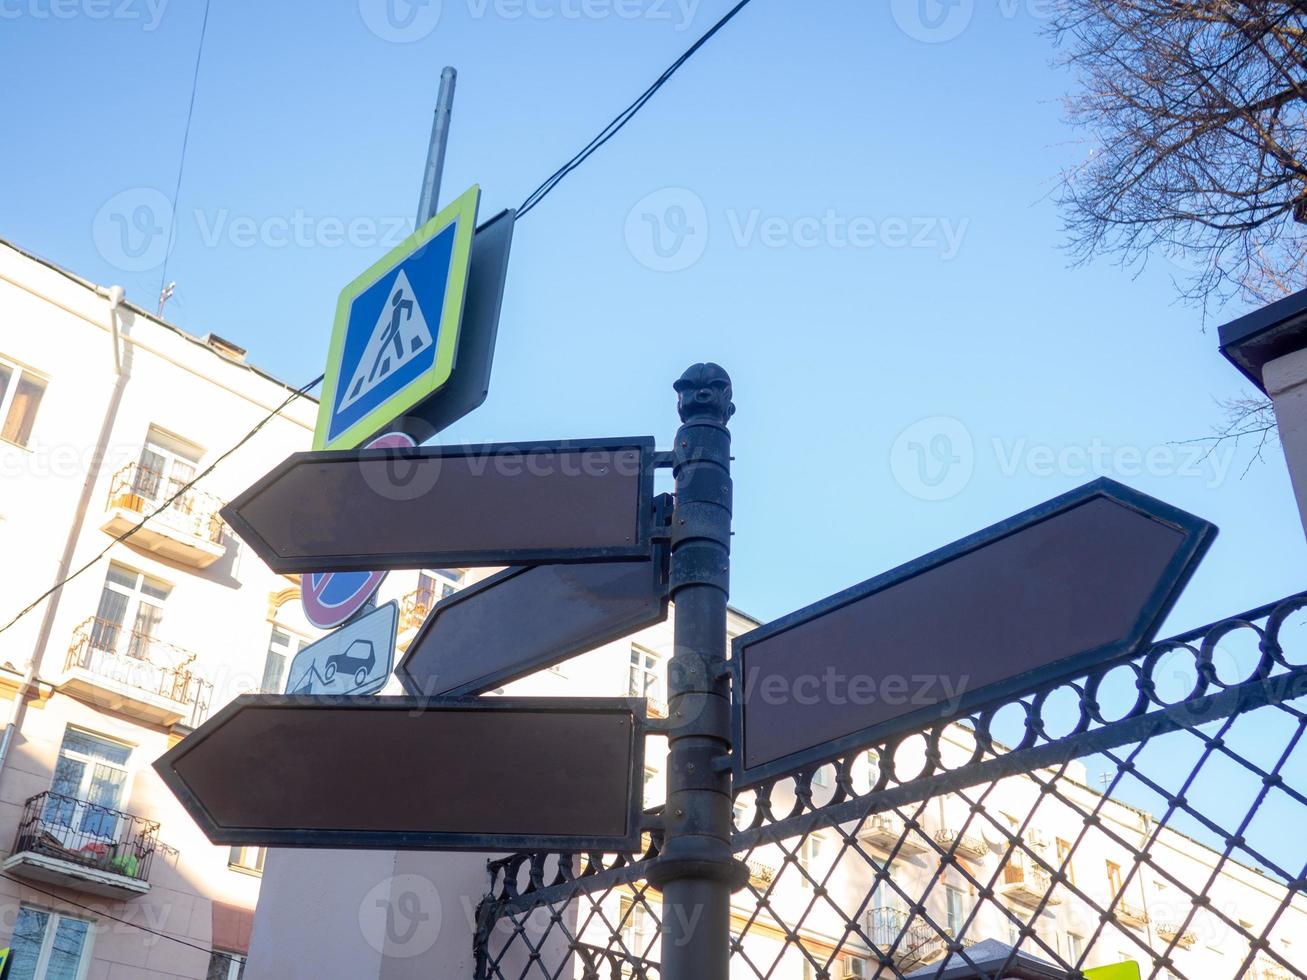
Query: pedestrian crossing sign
(395, 338)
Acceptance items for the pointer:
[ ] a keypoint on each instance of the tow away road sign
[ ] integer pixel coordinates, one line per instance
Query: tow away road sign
(449, 507)
(559, 774)
(527, 619)
(397, 329)
(1084, 579)
(356, 659)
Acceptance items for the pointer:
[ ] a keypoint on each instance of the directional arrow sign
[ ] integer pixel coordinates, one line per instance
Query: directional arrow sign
(1084, 579)
(527, 619)
(560, 774)
(447, 507)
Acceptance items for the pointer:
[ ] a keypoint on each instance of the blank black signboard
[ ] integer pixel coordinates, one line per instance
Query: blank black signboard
(1083, 579)
(527, 619)
(415, 773)
(445, 507)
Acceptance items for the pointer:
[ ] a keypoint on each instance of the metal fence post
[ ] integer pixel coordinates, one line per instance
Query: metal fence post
(696, 870)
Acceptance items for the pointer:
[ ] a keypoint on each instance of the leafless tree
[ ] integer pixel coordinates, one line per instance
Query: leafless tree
(1197, 121)
(1197, 118)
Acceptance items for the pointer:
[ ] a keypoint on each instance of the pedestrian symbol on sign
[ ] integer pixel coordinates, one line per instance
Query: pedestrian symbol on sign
(397, 329)
(400, 335)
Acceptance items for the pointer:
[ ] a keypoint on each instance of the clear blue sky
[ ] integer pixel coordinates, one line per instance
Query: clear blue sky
(793, 122)
(793, 112)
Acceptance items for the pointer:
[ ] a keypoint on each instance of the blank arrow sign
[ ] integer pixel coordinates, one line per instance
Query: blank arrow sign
(445, 507)
(527, 619)
(1081, 580)
(561, 774)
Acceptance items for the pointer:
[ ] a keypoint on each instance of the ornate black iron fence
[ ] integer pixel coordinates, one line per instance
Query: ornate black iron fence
(1153, 812)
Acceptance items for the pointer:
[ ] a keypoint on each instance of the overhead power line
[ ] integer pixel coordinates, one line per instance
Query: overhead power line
(163, 506)
(625, 116)
(534, 198)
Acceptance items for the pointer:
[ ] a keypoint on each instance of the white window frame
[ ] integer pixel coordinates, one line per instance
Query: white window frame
(237, 960)
(90, 762)
(18, 371)
(296, 642)
(633, 924)
(134, 595)
(47, 940)
(173, 450)
(951, 894)
(237, 856)
(647, 666)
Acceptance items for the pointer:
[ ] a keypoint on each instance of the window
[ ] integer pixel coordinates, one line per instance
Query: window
(90, 778)
(166, 465)
(47, 946)
(634, 926)
(957, 911)
(1113, 878)
(810, 849)
(1013, 919)
(20, 396)
(247, 859)
(646, 678)
(128, 596)
(853, 966)
(282, 646)
(821, 778)
(1064, 860)
(654, 788)
(225, 966)
(1075, 947)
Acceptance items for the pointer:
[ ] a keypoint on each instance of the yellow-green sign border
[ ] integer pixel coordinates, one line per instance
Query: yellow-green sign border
(463, 214)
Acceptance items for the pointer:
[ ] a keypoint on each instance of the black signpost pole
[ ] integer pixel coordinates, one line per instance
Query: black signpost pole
(696, 870)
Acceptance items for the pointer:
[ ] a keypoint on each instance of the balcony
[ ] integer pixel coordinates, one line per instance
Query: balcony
(1265, 968)
(122, 670)
(884, 830)
(761, 875)
(964, 845)
(413, 609)
(1130, 915)
(919, 943)
(1025, 883)
(85, 846)
(1184, 938)
(188, 530)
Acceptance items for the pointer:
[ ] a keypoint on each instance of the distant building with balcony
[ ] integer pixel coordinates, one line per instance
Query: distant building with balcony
(106, 415)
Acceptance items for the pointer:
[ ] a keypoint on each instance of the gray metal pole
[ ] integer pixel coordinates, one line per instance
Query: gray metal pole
(696, 869)
(429, 201)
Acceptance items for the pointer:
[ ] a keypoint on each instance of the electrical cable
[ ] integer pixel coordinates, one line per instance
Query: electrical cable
(163, 506)
(626, 115)
(108, 915)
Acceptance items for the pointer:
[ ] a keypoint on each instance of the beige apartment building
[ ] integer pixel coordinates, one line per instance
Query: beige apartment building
(105, 413)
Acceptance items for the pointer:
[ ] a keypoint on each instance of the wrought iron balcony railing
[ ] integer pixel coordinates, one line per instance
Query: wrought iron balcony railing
(1129, 914)
(918, 942)
(968, 845)
(140, 662)
(413, 608)
(88, 834)
(1184, 938)
(1025, 882)
(141, 490)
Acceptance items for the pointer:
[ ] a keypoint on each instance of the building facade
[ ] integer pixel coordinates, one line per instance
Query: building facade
(108, 413)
